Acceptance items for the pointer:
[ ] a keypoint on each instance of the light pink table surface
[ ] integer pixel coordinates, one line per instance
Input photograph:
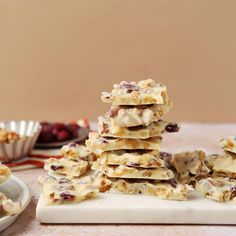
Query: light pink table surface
(192, 136)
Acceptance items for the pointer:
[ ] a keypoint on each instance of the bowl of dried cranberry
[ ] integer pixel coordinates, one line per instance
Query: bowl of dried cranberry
(54, 135)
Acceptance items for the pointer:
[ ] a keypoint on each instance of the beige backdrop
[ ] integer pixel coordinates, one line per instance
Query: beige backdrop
(56, 56)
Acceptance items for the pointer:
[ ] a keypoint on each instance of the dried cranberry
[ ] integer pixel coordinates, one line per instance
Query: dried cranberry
(104, 141)
(172, 127)
(67, 196)
(129, 87)
(71, 145)
(46, 137)
(233, 192)
(133, 164)
(54, 167)
(165, 155)
(64, 181)
(135, 128)
(73, 129)
(105, 128)
(59, 126)
(172, 182)
(63, 135)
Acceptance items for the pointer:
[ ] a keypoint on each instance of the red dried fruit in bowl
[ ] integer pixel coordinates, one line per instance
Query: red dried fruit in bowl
(63, 135)
(57, 132)
(59, 126)
(46, 137)
(73, 129)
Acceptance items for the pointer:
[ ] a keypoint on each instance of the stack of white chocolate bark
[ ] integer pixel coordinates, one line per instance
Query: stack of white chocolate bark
(63, 184)
(128, 141)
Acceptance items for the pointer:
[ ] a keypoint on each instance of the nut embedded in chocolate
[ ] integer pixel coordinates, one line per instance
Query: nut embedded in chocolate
(114, 111)
(172, 127)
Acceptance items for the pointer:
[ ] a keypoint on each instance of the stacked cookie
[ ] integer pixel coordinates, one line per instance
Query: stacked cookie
(128, 141)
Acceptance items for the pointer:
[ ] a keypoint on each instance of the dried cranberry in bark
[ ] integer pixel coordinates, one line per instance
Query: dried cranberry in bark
(104, 141)
(233, 192)
(132, 164)
(135, 128)
(172, 182)
(129, 87)
(172, 127)
(105, 128)
(165, 155)
(72, 145)
(64, 181)
(67, 196)
(54, 167)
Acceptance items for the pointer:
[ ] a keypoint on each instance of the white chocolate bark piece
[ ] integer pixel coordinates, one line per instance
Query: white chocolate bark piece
(107, 128)
(123, 171)
(133, 158)
(166, 157)
(228, 144)
(190, 165)
(8, 207)
(223, 165)
(99, 144)
(211, 159)
(128, 116)
(76, 151)
(136, 93)
(5, 172)
(68, 167)
(169, 190)
(218, 188)
(64, 190)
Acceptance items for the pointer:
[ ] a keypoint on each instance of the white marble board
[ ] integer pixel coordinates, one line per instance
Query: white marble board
(138, 209)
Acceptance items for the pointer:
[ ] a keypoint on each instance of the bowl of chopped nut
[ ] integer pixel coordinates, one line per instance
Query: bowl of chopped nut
(17, 139)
